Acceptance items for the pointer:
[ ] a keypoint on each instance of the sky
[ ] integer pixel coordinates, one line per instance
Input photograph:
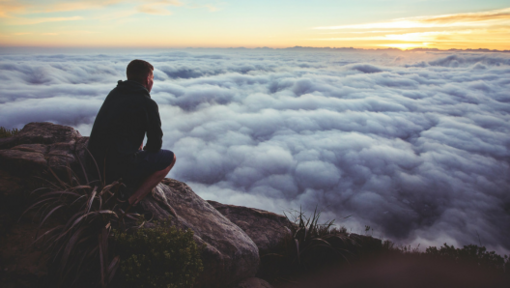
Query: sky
(414, 144)
(404, 24)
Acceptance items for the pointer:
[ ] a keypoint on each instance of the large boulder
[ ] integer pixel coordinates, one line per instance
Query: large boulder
(39, 146)
(23, 156)
(265, 228)
(41, 133)
(229, 256)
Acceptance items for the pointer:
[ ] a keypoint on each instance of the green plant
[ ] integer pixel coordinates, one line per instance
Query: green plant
(78, 237)
(318, 243)
(159, 256)
(309, 246)
(4, 133)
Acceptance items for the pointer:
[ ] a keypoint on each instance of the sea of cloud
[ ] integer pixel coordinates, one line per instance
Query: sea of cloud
(415, 145)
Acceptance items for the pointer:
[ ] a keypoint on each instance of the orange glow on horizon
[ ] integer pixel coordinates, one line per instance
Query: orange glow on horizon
(489, 29)
(153, 24)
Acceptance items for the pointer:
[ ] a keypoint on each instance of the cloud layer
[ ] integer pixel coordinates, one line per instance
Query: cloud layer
(414, 144)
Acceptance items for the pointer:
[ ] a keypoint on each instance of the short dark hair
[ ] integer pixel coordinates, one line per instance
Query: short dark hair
(138, 70)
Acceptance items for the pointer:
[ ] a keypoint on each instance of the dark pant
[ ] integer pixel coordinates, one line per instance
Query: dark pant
(147, 163)
(134, 169)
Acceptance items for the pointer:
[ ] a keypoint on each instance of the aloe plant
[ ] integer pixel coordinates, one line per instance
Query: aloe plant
(79, 237)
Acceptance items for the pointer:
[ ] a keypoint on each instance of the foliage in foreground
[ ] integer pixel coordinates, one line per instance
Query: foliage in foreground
(161, 256)
(79, 220)
(4, 133)
(82, 225)
(309, 246)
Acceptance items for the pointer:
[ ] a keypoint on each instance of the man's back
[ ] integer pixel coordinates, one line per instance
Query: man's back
(126, 115)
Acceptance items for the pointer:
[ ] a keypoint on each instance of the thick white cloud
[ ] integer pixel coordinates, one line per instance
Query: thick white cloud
(414, 144)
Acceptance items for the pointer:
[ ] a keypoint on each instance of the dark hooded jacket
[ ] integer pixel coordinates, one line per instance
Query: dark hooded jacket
(127, 114)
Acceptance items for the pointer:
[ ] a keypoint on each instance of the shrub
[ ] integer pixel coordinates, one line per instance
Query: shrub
(474, 255)
(4, 133)
(161, 256)
(470, 254)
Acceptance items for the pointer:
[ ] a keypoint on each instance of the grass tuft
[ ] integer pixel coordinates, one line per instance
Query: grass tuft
(310, 246)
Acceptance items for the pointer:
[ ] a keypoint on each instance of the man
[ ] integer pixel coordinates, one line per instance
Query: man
(126, 116)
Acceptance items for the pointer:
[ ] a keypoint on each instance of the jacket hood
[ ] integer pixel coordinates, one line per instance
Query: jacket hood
(132, 86)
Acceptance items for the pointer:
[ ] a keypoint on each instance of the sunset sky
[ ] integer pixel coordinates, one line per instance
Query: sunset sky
(403, 24)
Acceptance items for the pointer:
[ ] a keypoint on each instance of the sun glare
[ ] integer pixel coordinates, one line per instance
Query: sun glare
(416, 37)
(464, 30)
(405, 46)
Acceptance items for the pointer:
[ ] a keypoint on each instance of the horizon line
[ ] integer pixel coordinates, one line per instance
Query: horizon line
(262, 48)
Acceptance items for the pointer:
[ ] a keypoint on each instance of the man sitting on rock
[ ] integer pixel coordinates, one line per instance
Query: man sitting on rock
(116, 140)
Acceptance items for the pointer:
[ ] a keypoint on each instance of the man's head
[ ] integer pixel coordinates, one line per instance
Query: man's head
(142, 72)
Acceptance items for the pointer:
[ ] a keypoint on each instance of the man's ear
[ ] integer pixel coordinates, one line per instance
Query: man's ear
(149, 81)
(149, 78)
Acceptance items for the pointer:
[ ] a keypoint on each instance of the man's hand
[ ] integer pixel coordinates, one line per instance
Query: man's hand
(141, 146)
(133, 200)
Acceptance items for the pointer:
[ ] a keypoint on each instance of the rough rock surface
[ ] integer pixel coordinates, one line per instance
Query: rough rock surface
(229, 257)
(38, 146)
(27, 154)
(40, 133)
(266, 229)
